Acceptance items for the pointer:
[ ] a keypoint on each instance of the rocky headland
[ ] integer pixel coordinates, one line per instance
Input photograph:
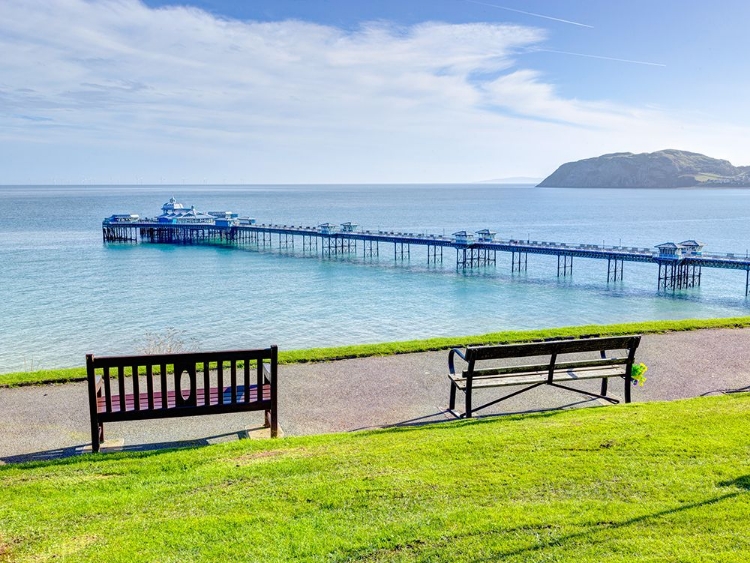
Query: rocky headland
(662, 169)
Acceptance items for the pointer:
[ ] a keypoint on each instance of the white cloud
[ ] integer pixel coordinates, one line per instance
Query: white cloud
(107, 87)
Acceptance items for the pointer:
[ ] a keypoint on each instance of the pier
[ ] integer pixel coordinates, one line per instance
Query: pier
(679, 264)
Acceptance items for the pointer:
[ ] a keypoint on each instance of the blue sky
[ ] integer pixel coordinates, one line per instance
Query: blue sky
(340, 91)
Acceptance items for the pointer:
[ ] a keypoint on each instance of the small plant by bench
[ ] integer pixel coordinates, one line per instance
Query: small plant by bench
(232, 381)
(563, 364)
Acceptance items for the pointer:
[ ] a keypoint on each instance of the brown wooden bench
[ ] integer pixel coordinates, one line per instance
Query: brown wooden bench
(488, 366)
(232, 381)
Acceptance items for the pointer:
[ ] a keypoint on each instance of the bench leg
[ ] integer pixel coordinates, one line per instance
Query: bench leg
(604, 387)
(97, 435)
(628, 385)
(467, 414)
(452, 401)
(272, 423)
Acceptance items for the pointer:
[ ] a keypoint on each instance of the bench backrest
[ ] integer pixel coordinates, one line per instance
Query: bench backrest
(552, 350)
(179, 376)
(553, 347)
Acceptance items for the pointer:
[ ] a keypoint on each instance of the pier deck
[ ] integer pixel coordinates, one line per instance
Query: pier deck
(675, 271)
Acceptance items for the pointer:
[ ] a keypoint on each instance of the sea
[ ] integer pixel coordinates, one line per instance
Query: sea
(65, 293)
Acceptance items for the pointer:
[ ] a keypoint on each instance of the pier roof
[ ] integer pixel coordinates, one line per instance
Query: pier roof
(692, 243)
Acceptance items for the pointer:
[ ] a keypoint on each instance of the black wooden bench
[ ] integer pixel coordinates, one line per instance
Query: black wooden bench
(232, 381)
(556, 369)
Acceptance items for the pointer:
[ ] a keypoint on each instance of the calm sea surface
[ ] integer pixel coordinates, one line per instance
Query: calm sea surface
(64, 293)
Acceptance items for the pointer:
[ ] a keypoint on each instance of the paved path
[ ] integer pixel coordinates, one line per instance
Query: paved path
(52, 421)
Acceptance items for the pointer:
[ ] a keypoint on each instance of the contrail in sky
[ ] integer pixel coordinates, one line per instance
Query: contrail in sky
(596, 57)
(529, 13)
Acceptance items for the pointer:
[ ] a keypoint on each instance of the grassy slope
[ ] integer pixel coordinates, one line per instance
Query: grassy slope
(361, 350)
(647, 482)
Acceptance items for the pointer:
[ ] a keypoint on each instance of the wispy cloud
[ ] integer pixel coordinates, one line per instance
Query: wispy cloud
(529, 13)
(114, 88)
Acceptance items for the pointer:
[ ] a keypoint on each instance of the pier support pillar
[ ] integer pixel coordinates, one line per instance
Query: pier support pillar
(564, 266)
(614, 269)
(474, 256)
(348, 245)
(679, 275)
(286, 241)
(519, 261)
(309, 243)
(370, 248)
(401, 250)
(327, 246)
(434, 253)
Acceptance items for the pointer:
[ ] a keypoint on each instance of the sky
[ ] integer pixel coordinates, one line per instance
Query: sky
(342, 91)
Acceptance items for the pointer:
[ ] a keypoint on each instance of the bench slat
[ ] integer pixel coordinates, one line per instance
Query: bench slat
(185, 358)
(136, 383)
(171, 399)
(206, 381)
(581, 373)
(107, 389)
(121, 382)
(163, 381)
(506, 380)
(246, 373)
(220, 379)
(150, 385)
(233, 379)
(537, 367)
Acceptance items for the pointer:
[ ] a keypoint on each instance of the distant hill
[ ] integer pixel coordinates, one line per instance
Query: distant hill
(662, 169)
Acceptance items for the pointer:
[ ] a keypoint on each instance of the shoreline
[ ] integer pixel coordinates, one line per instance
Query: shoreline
(329, 354)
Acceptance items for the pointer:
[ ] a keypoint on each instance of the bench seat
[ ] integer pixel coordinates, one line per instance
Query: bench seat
(524, 378)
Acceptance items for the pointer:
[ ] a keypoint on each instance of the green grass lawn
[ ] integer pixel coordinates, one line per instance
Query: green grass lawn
(641, 482)
(363, 350)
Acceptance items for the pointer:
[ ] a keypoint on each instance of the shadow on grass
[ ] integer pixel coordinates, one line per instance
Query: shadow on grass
(73, 454)
(742, 482)
(725, 391)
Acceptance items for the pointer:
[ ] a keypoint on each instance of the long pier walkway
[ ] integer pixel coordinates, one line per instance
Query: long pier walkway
(679, 264)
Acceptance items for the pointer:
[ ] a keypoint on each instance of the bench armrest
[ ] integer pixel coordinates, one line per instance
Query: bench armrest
(268, 375)
(451, 368)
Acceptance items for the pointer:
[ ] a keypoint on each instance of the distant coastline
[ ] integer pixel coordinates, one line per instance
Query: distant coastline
(517, 180)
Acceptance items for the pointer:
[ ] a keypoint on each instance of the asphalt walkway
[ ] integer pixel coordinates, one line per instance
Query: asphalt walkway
(52, 421)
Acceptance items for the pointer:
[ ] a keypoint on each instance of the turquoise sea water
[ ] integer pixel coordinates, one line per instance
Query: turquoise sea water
(64, 293)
